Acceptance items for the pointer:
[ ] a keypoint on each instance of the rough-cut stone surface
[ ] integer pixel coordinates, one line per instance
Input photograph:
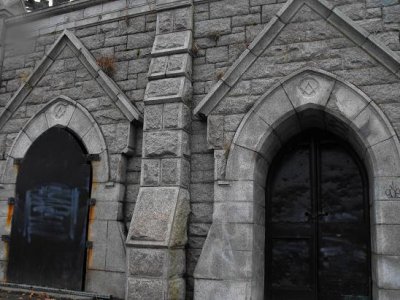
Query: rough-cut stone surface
(166, 143)
(154, 60)
(160, 216)
(153, 214)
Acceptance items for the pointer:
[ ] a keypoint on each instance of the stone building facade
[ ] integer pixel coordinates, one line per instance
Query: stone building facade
(182, 106)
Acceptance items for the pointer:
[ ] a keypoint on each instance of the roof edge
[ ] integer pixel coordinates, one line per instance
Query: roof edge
(332, 15)
(108, 85)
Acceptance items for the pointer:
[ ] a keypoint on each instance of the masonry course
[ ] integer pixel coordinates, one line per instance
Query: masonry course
(167, 57)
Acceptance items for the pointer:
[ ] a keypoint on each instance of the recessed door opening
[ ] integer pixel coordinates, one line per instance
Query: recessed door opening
(317, 222)
(49, 225)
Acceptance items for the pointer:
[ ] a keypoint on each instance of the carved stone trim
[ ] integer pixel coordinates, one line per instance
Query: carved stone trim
(229, 265)
(77, 119)
(334, 16)
(109, 86)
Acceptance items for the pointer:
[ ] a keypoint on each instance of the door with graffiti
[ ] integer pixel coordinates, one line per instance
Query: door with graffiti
(49, 226)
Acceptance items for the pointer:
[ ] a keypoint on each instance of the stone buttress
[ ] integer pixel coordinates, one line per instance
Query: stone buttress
(158, 232)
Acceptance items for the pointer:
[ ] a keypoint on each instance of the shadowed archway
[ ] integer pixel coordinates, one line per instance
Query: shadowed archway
(49, 225)
(232, 260)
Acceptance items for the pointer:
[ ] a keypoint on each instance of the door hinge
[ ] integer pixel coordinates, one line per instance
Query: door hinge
(92, 202)
(6, 238)
(11, 201)
(89, 245)
(93, 157)
(18, 161)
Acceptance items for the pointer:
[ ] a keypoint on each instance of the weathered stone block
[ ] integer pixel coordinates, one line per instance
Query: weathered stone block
(210, 28)
(387, 271)
(165, 143)
(79, 122)
(118, 164)
(59, 114)
(160, 263)
(150, 175)
(165, 22)
(107, 210)
(140, 40)
(168, 90)
(111, 283)
(20, 146)
(345, 103)
(117, 136)
(153, 115)
(215, 131)
(101, 172)
(35, 129)
(220, 164)
(171, 43)
(138, 66)
(176, 115)
(386, 212)
(147, 262)
(179, 64)
(176, 289)
(158, 67)
(228, 8)
(234, 191)
(116, 257)
(386, 239)
(219, 259)
(160, 217)
(183, 19)
(254, 133)
(175, 171)
(171, 115)
(371, 127)
(245, 164)
(385, 158)
(108, 192)
(276, 105)
(309, 88)
(218, 54)
(178, 236)
(146, 289)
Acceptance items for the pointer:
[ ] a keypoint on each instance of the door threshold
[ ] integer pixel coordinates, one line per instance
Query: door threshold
(51, 292)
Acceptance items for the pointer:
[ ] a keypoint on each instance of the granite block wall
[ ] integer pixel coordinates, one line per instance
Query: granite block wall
(125, 32)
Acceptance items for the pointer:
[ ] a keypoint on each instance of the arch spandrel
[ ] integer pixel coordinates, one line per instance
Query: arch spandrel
(290, 107)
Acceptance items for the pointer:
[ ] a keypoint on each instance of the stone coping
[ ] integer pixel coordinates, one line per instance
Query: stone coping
(109, 86)
(55, 10)
(344, 24)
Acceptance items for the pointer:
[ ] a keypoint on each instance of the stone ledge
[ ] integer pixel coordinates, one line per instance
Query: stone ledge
(168, 90)
(172, 43)
(170, 66)
(168, 4)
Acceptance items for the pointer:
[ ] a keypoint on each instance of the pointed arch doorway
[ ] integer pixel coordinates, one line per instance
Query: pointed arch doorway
(317, 222)
(49, 225)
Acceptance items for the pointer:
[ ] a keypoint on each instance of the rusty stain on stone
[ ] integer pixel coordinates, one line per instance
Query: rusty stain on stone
(10, 212)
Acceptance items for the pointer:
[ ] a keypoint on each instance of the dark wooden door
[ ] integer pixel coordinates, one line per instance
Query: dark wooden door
(317, 229)
(49, 226)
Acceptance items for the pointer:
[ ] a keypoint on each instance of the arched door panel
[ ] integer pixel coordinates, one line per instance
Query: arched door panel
(317, 240)
(49, 226)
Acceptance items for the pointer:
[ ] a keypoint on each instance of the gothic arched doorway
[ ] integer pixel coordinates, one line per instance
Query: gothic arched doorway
(317, 222)
(49, 226)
